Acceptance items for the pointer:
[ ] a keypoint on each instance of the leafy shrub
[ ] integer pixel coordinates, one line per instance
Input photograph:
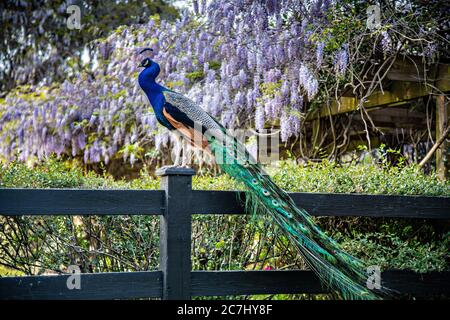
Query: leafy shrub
(388, 250)
(368, 178)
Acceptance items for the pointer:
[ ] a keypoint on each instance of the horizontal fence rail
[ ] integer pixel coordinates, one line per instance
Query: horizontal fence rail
(80, 202)
(326, 204)
(149, 284)
(175, 204)
(110, 285)
(151, 202)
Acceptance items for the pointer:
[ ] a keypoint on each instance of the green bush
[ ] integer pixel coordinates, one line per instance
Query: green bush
(314, 177)
(367, 178)
(388, 250)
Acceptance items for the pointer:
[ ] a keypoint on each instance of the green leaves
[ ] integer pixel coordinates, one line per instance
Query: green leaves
(195, 76)
(388, 250)
(364, 178)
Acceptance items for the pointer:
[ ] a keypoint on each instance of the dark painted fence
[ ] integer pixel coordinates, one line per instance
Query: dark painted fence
(176, 202)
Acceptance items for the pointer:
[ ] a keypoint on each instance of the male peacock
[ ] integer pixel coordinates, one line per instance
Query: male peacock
(337, 270)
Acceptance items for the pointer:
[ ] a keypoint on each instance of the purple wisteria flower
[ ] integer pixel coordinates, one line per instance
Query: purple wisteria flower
(386, 41)
(259, 119)
(319, 53)
(341, 60)
(225, 63)
(308, 81)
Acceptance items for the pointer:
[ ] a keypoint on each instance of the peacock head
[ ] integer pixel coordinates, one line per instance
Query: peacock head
(151, 68)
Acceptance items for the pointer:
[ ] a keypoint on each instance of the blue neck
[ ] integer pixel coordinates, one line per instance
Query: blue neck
(154, 92)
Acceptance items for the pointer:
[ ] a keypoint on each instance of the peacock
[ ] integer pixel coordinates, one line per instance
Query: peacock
(337, 270)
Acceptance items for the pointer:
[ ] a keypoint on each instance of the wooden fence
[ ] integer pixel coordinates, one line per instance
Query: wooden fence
(175, 203)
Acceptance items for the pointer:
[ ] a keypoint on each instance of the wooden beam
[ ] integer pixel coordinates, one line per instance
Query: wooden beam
(407, 69)
(324, 204)
(80, 202)
(396, 117)
(443, 78)
(110, 285)
(398, 93)
(442, 116)
(412, 69)
(149, 202)
(220, 283)
(132, 285)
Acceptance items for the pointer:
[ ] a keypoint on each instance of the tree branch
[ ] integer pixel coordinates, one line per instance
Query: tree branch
(435, 146)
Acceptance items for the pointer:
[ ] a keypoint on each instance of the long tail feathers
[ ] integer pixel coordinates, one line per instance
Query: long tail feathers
(336, 269)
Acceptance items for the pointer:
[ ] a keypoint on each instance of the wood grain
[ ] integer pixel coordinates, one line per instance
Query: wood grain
(80, 202)
(114, 285)
(333, 204)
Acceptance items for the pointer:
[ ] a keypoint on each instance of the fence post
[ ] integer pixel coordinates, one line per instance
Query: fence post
(175, 232)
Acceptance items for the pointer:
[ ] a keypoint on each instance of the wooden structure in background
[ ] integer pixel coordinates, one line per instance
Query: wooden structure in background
(442, 121)
(395, 107)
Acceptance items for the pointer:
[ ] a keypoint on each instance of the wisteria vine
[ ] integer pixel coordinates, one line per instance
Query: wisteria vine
(248, 63)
